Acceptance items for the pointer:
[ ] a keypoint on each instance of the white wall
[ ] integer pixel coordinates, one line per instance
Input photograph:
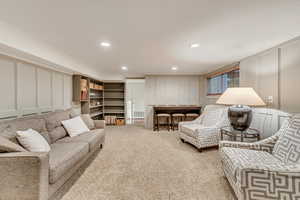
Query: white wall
(170, 90)
(30, 89)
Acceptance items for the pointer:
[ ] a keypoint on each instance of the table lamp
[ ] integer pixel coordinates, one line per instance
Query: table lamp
(239, 113)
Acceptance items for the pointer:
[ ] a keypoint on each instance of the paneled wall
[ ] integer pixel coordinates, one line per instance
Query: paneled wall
(170, 90)
(29, 89)
(275, 75)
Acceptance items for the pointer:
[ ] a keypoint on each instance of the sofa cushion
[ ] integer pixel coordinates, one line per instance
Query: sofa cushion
(88, 121)
(54, 125)
(33, 141)
(54, 119)
(63, 156)
(189, 129)
(57, 133)
(7, 146)
(236, 159)
(8, 129)
(94, 138)
(75, 126)
(287, 148)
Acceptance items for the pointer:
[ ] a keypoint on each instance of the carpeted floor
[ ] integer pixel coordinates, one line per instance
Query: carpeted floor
(138, 164)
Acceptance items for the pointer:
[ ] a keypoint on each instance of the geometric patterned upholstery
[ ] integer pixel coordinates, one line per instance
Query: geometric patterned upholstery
(212, 117)
(287, 148)
(237, 159)
(190, 129)
(256, 174)
(205, 130)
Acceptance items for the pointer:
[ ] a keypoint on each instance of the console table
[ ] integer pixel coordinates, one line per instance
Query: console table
(174, 109)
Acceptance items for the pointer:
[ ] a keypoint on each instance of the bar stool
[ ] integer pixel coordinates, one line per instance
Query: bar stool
(165, 116)
(176, 118)
(191, 116)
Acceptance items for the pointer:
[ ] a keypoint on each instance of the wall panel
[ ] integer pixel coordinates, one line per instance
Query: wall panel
(67, 91)
(8, 88)
(58, 90)
(44, 85)
(261, 73)
(30, 89)
(27, 88)
(290, 77)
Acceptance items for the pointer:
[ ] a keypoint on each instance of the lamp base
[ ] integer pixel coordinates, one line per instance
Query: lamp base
(240, 117)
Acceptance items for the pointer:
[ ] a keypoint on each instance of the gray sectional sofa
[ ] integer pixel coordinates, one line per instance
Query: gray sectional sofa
(38, 176)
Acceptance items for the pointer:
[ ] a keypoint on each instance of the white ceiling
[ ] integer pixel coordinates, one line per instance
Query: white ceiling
(148, 36)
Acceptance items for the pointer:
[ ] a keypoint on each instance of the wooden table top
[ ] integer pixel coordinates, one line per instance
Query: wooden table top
(175, 107)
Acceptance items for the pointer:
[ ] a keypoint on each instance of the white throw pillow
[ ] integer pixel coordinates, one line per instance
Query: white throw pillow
(75, 126)
(33, 141)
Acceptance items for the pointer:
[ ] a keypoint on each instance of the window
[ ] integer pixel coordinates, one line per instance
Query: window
(218, 83)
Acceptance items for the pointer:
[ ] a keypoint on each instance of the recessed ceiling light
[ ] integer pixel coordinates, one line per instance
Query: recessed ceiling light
(174, 68)
(124, 68)
(194, 45)
(105, 44)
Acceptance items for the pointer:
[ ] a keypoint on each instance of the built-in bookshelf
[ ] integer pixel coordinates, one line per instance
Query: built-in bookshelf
(114, 101)
(102, 100)
(89, 92)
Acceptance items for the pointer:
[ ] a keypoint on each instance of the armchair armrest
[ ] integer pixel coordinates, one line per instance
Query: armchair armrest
(196, 121)
(24, 175)
(270, 182)
(99, 124)
(263, 145)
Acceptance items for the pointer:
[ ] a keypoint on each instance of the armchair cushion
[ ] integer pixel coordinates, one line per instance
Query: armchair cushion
(212, 117)
(287, 148)
(235, 160)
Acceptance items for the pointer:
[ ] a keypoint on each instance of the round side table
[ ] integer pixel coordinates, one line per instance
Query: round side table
(250, 133)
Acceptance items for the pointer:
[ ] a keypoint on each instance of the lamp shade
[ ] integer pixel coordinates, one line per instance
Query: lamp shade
(240, 96)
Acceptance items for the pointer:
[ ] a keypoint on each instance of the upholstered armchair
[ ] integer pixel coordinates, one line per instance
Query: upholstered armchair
(268, 169)
(204, 131)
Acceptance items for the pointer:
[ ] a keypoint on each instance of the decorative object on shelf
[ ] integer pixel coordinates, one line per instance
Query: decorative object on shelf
(84, 89)
(240, 114)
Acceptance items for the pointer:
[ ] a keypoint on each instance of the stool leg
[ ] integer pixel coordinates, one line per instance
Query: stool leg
(157, 119)
(172, 123)
(169, 123)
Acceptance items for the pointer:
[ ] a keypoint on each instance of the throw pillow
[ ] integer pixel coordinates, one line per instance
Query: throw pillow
(33, 141)
(287, 148)
(88, 121)
(8, 146)
(75, 126)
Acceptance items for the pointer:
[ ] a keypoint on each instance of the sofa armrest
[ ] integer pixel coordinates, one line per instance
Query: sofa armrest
(99, 124)
(263, 145)
(24, 175)
(270, 182)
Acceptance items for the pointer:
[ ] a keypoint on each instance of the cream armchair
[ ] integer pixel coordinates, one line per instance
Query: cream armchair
(204, 131)
(268, 169)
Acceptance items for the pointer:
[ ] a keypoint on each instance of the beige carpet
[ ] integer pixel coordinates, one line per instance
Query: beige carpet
(138, 164)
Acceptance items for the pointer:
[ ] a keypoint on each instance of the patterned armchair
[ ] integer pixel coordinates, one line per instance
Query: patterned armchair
(268, 169)
(204, 131)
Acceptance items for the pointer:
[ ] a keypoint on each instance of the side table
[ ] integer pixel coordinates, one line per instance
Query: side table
(250, 133)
